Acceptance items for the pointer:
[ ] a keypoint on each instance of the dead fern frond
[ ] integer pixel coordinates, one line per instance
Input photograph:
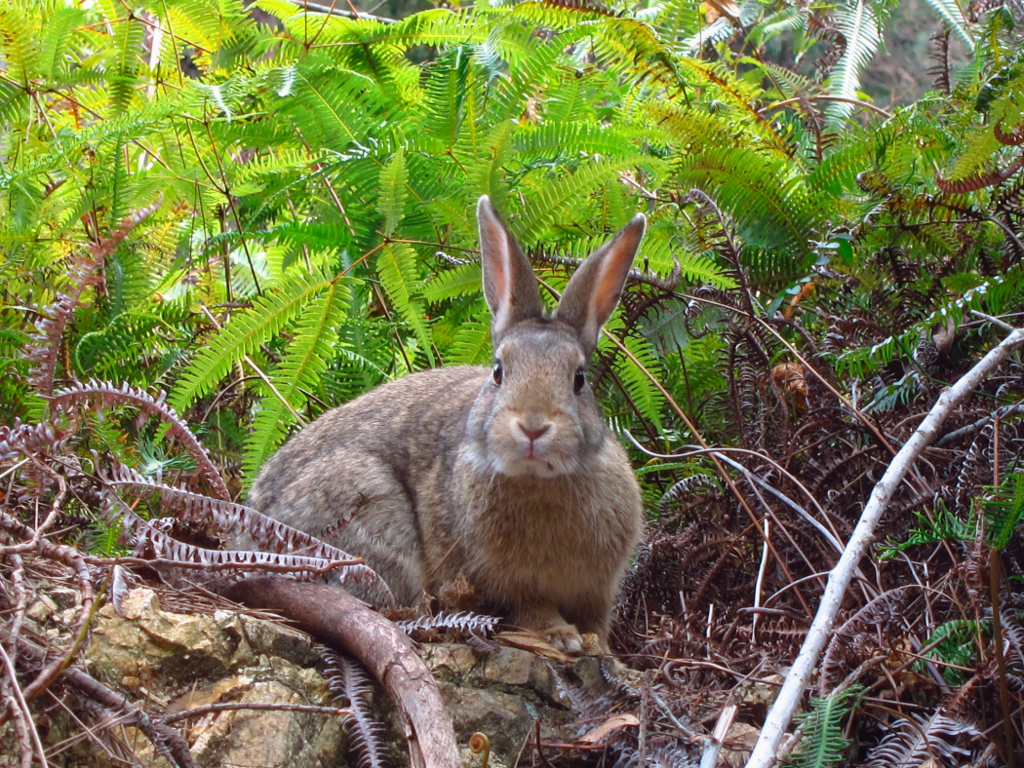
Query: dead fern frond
(979, 181)
(271, 536)
(911, 744)
(939, 53)
(30, 439)
(685, 487)
(825, 30)
(108, 395)
(854, 637)
(347, 679)
(465, 622)
(44, 347)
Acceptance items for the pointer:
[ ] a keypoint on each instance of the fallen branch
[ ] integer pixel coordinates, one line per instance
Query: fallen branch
(778, 719)
(348, 624)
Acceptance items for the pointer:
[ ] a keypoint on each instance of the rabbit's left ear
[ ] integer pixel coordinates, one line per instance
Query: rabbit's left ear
(594, 290)
(510, 286)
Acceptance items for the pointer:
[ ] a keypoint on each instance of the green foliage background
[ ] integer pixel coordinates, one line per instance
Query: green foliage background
(314, 179)
(265, 211)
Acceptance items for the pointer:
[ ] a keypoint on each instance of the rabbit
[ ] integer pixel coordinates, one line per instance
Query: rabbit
(508, 476)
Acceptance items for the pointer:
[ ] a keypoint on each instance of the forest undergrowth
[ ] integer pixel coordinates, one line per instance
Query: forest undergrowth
(263, 212)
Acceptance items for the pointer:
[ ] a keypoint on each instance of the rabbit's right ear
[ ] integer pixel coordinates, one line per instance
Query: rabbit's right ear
(510, 286)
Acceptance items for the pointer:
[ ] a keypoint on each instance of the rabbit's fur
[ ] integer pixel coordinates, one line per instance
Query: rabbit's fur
(512, 480)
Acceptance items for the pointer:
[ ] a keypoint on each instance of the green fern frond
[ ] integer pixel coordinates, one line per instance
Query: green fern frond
(129, 33)
(823, 744)
(561, 139)
(463, 280)
(332, 107)
(1003, 507)
(62, 41)
(307, 357)
(790, 18)
(787, 82)
(767, 197)
(394, 178)
(646, 398)
(559, 204)
(243, 335)
(837, 173)
(977, 153)
(509, 96)
(695, 269)
(471, 345)
(943, 525)
(439, 27)
(19, 43)
(951, 13)
(397, 268)
(856, 20)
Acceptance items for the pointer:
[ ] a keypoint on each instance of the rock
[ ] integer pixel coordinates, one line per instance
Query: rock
(41, 609)
(168, 663)
(504, 694)
(739, 744)
(197, 660)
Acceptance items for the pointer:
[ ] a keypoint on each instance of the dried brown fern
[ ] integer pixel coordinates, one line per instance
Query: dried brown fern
(84, 270)
(280, 544)
(347, 679)
(106, 395)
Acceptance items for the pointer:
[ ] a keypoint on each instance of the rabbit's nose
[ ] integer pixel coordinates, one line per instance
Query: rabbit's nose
(533, 434)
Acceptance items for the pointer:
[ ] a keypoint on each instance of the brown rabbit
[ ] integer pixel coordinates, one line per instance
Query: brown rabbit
(508, 476)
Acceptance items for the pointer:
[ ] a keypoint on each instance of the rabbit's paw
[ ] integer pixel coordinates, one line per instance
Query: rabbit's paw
(566, 638)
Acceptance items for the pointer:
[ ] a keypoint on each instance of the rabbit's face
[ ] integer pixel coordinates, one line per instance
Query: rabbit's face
(535, 414)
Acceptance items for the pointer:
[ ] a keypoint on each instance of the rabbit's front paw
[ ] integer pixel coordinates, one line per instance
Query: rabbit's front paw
(566, 638)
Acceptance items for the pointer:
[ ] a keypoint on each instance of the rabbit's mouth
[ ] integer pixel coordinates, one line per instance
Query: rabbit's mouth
(515, 461)
(532, 465)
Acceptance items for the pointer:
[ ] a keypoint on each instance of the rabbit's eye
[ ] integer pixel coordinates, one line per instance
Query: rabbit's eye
(497, 373)
(579, 380)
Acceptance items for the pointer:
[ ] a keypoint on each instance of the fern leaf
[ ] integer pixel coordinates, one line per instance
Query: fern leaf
(243, 334)
(463, 280)
(644, 395)
(856, 20)
(308, 356)
(471, 345)
(1004, 510)
(823, 744)
(19, 42)
(394, 177)
(396, 266)
(56, 47)
(769, 200)
(129, 34)
(951, 13)
(559, 203)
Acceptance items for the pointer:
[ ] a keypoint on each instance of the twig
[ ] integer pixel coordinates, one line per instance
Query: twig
(228, 706)
(22, 705)
(840, 99)
(153, 562)
(332, 11)
(796, 681)
(713, 746)
(970, 429)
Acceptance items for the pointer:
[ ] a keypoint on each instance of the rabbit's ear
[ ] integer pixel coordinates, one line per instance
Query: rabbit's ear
(510, 286)
(594, 289)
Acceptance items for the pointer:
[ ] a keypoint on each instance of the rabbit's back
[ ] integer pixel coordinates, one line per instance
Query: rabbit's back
(359, 476)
